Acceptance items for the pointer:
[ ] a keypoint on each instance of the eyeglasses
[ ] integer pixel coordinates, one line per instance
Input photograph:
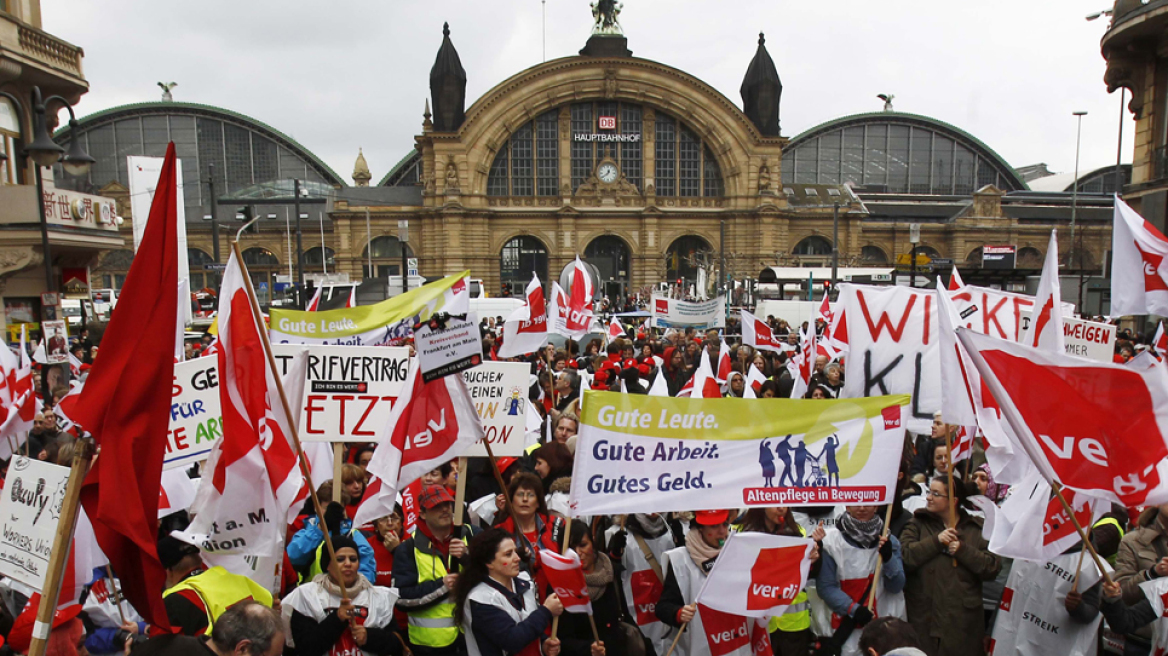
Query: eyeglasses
(936, 495)
(525, 494)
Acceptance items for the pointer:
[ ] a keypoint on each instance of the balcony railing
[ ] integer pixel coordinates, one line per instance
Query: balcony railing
(49, 49)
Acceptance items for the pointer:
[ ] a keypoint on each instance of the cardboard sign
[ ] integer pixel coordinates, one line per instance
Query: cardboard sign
(29, 512)
(672, 313)
(444, 351)
(56, 342)
(196, 421)
(349, 390)
(1089, 339)
(499, 390)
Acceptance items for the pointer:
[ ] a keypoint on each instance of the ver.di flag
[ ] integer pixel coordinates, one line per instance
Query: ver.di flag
(1032, 523)
(640, 453)
(1045, 328)
(757, 575)
(527, 328)
(1095, 427)
(1139, 274)
(756, 333)
(251, 477)
(565, 575)
(430, 424)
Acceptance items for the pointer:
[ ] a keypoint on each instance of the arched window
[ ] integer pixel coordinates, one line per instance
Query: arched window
(928, 251)
(812, 246)
(263, 267)
(974, 257)
(528, 164)
(684, 256)
(623, 121)
(610, 255)
(201, 278)
(313, 257)
(520, 257)
(685, 166)
(871, 255)
(387, 256)
(114, 266)
(1029, 258)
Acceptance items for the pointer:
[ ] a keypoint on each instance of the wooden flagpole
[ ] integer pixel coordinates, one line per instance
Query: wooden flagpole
(117, 595)
(1078, 571)
(262, 329)
(338, 469)
(459, 503)
(952, 500)
(1058, 491)
(880, 561)
(676, 638)
(61, 549)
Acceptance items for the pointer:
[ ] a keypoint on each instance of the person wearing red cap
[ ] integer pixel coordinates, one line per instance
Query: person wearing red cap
(425, 569)
(687, 568)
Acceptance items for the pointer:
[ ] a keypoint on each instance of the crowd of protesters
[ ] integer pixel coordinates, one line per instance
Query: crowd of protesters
(477, 586)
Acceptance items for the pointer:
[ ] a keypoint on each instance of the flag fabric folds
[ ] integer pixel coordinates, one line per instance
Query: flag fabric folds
(126, 407)
(17, 396)
(565, 575)
(430, 423)
(251, 476)
(1045, 329)
(756, 333)
(1094, 427)
(1139, 274)
(757, 575)
(527, 328)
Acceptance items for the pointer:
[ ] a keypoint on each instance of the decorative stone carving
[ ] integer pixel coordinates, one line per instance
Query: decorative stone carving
(610, 83)
(451, 176)
(16, 259)
(764, 178)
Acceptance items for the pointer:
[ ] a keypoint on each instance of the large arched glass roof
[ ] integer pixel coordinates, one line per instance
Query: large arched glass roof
(245, 152)
(894, 152)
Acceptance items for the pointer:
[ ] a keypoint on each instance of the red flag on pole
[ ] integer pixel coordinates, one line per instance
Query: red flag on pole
(126, 407)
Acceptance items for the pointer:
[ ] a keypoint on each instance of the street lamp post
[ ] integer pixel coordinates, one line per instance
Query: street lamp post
(834, 243)
(45, 152)
(403, 236)
(1077, 246)
(914, 238)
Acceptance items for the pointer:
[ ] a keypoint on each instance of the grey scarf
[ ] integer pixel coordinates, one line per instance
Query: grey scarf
(357, 588)
(648, 527)
(600, 577)
(865, 534)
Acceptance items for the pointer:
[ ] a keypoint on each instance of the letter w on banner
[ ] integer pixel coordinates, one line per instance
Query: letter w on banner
(566, 576)
(1094, 427)
(431, 423)
(252, 475)
(757, 575)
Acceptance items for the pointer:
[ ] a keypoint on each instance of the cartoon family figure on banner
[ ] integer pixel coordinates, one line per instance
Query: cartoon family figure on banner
(800, 467)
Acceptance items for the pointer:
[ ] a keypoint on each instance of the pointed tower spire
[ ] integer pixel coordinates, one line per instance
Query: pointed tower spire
(761, 90)
(361, 174)
(448, 86)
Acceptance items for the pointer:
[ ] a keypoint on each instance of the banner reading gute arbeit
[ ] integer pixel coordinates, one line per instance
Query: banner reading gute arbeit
(640, 453)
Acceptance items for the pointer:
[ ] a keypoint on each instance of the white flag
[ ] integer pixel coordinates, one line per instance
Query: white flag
(1139, 274)
(527, 328)
(757, 575)
(1045, 328)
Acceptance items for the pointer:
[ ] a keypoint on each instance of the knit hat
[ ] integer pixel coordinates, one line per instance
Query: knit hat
(339, 542)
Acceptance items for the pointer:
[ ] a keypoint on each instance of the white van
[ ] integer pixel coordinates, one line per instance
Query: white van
(495, 307)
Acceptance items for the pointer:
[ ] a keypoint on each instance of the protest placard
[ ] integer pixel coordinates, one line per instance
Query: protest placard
(195, 418)
(674, 313)
(349, 390)
(659, 454)
(448, 347)
(30, 509)
(1089, 339)
(499, 391)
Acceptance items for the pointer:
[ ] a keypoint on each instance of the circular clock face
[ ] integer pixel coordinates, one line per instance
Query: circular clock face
(607, 173)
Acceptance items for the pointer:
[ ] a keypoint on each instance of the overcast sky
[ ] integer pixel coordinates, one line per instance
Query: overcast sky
(340, 75)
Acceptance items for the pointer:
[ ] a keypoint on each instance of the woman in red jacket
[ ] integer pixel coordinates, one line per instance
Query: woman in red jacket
(537, 529)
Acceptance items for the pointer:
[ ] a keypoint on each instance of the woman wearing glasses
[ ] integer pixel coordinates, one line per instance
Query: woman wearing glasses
(944, 599)
(324, 624)
(537, 528)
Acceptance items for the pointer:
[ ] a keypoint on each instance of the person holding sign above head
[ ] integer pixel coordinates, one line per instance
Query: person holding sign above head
(326, 620)
(496, 602)
(425, 570)
(791, 632)
(944, 600)
(687, 568)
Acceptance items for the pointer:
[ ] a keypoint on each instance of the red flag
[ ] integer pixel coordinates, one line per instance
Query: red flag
(1094, 427)
(566, 576)
(17, 396)
(756, 333)
(615, 329)
(314, 302)
(126, 406)
(724, 363)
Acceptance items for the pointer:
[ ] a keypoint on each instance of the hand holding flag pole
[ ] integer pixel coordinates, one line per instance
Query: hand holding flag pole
(1058, 491)
(303, 460)
(952, 468)
(880, 561)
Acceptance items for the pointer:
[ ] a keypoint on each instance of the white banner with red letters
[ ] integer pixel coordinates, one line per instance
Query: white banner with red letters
(350, 390)
(500, 393)
(757, 575)
(638, 453)
(1089, 339)
(892, 337)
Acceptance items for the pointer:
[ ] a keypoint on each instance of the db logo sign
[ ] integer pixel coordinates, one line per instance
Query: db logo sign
(891, 416)
(606, 122)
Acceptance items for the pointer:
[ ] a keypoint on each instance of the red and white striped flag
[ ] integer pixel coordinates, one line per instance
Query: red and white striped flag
(703, 381)
(251, 475)
(826, 344)
(314, 302)
(724, 362)
(351, 302)
(431, 423)
(1045, 328)
(963, 443)
(955, 281)
(615, 329)
(565, 575)
(757, 575)
(754, 381)
(1160, 343)
(802, 366)
(1139, 272)
(580, 317)
(756, 333)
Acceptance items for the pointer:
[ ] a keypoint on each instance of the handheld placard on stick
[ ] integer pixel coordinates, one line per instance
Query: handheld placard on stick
(261, 328)
(64, 536)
